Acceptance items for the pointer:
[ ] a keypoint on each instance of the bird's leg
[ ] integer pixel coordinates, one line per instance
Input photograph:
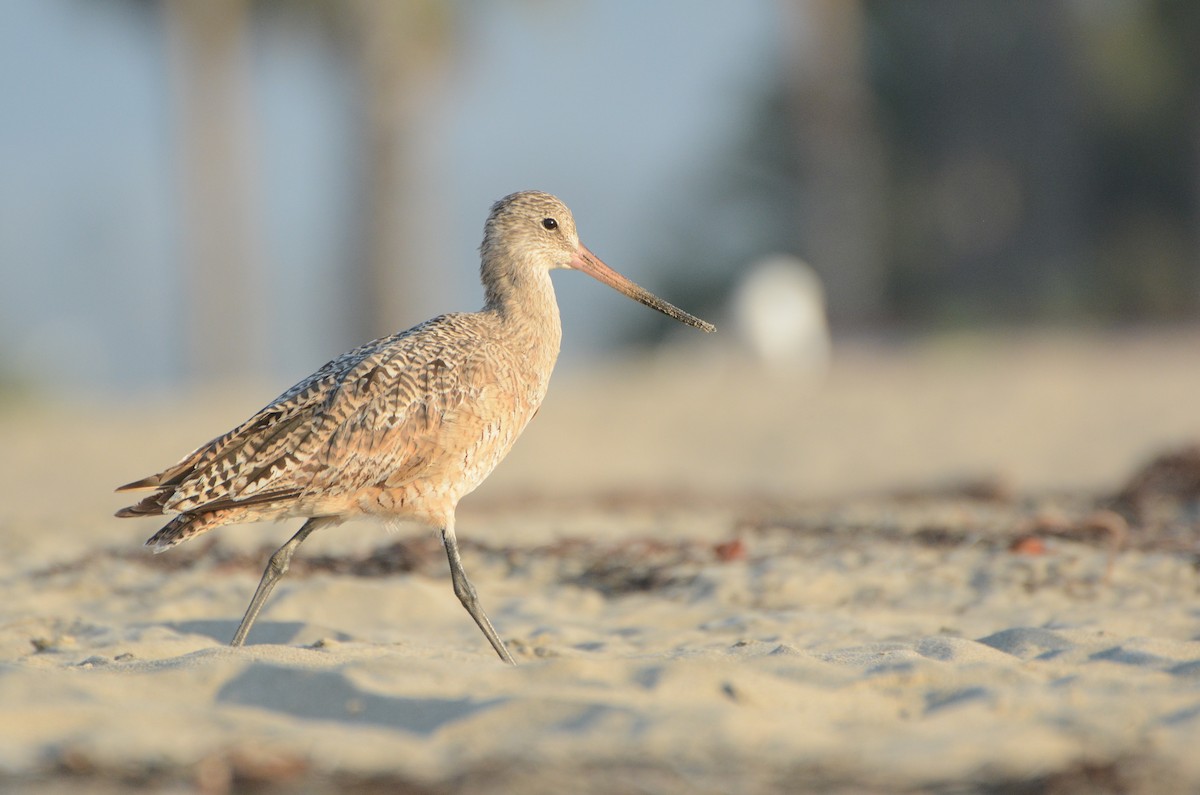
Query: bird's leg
(466, 594)
(277, 566)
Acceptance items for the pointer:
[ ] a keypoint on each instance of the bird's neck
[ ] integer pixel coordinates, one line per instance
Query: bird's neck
(523, 300)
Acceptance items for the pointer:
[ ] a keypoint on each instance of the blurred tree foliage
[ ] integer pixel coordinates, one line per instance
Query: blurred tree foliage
(1040, 161)
(401, 50)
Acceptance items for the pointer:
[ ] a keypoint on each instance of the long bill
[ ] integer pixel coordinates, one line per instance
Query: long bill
(589, 263)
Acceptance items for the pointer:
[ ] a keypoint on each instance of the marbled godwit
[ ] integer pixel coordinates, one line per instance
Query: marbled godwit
(402, 427)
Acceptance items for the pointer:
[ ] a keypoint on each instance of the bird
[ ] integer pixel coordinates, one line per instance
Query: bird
(405, 426)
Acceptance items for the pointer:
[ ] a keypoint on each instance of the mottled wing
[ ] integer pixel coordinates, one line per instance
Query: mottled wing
(391, 422)
(372, 415)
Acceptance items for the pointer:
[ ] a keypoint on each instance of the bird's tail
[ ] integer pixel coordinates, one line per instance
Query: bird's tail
(183, 527)
(148, 506)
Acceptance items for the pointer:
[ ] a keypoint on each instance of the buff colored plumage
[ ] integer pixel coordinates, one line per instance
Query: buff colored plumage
(404, 426)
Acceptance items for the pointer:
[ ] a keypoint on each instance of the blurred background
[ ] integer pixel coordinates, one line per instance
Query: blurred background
(201, 190)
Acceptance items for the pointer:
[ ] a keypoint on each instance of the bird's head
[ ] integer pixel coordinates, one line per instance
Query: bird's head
(531, 231)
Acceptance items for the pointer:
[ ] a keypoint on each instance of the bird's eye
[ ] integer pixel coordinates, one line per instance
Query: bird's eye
(550, 223)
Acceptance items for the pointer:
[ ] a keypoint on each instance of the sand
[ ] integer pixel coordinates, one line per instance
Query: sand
(911, 576)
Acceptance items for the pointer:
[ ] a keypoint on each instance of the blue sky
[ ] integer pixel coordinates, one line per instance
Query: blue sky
(615, 106)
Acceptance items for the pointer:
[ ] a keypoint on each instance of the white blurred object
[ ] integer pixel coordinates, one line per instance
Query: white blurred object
(779, 314)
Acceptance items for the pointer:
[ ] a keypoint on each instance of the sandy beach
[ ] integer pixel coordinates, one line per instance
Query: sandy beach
(912, 575)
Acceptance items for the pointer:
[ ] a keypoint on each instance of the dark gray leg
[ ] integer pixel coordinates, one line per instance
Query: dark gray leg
(465, 592)
(277, 566)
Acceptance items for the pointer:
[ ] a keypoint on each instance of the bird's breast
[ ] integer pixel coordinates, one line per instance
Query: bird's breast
(497, 392)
